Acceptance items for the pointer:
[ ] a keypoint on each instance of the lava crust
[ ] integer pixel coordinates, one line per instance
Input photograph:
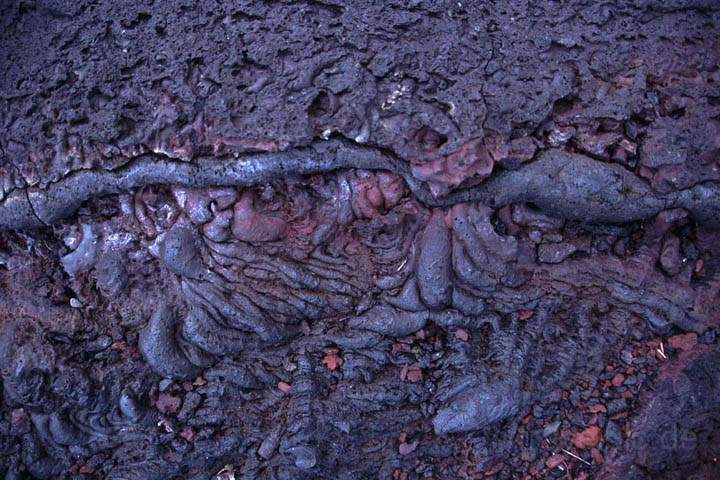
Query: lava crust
(359, 240)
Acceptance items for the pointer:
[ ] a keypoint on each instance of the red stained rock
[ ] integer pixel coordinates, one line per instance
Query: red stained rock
(472, 160)
(670, 257)
(375, 193)
(588, 438)
(618, 380)
(495, 469)
(525, 314)
(250, 225)
(554, 461)
(461, 335)
(332, 361)
(284, 387)
(685, 341)
(167, 404)
(188, 434)
(19, 422)
(598, 409)
(412, 374)
(406, 448)
(399, 475)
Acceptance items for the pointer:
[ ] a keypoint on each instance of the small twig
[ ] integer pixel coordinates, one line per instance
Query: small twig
(402, 264)
(577, 457)
(226, 473)
(661, 351)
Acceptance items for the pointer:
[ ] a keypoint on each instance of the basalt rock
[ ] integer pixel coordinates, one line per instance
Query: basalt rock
(356, 240)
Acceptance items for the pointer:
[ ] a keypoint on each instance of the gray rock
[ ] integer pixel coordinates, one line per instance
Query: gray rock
(305, 457)
(616, 406)
(551, 429)
(555, 252)
(190, 403)
(613, 433)
(478, 407)
(84, 256)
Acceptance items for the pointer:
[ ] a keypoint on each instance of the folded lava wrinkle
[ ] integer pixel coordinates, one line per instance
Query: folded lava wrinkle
(355, 240)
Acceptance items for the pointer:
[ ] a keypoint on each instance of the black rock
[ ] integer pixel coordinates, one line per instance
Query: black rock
(551, 428)
(709, 337)
(616, 406)
(613, 433)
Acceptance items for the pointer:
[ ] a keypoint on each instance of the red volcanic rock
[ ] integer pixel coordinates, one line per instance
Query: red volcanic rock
(250, 225)
(461, 335)
(412, 374)
(554, 461)
(685, 341)
(188, 434)
(406, 448)
(332, 360)
(472, 161)
(588, 438)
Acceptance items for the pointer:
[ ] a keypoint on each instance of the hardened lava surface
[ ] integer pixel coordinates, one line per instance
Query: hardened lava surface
(359, 240)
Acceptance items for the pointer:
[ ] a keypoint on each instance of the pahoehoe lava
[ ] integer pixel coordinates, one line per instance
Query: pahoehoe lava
(349, 240)
(564, 185)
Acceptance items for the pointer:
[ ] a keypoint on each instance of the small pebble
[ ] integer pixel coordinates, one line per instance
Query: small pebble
(554, 461)
(616, 406)
(588, 438)
(613, 433)
(551, 429)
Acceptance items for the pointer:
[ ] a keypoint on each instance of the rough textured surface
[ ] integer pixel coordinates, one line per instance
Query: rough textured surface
(349, 240)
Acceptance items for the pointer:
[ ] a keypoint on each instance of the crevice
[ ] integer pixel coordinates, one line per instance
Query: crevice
(581, 189)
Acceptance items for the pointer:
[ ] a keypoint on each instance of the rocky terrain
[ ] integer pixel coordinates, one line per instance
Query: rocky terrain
(360, 240)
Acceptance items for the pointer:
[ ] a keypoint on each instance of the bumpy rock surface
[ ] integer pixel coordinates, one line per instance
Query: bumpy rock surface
(354, 240)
